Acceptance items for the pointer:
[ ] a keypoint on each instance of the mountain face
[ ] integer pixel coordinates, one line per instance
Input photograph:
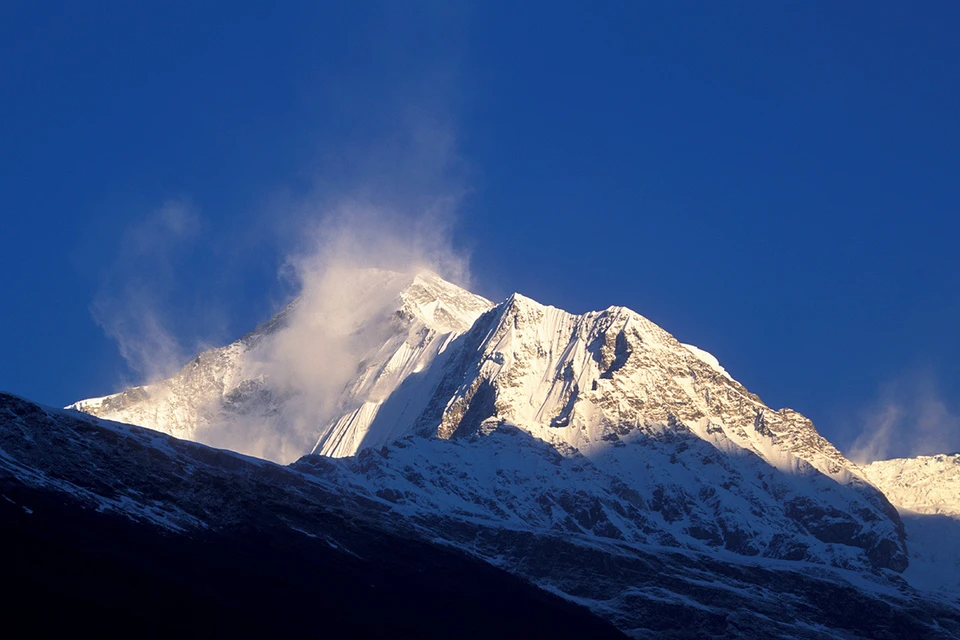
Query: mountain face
(551, 444)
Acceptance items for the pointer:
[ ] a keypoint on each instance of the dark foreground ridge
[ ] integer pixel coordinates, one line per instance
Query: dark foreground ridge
(122, 531)
(73, 567)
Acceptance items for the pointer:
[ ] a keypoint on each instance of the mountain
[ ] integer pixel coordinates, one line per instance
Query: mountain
(594, 455)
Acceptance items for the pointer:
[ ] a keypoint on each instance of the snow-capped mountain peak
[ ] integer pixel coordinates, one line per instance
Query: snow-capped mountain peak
(312, 376)
(523, 417)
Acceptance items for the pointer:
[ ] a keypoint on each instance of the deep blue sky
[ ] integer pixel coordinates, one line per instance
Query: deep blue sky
(774, 182)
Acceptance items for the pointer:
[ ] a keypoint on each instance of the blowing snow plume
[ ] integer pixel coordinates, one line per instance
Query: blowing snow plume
(273, 393)
(908, 418)
(381, 192)
(353, 256)
(135, 291)
(344, 314)
(369, 301)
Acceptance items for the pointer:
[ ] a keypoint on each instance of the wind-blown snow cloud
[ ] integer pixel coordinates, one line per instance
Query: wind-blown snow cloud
(361, 258)
(384, 191)
(396, 215)
(908, 418)
(132, 301)
(353, 260)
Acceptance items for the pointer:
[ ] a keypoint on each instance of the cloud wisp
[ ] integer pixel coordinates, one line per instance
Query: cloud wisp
(353, 250)
(383, 190)
(908, 418)
(352, 260)
(133, 300)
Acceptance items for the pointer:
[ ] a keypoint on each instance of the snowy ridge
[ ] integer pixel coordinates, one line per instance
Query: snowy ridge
(709, 358)
(581, 380)
(925, 484)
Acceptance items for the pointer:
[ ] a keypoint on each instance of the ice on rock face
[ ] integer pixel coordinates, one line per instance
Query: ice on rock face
(503, 429)
(585, 379)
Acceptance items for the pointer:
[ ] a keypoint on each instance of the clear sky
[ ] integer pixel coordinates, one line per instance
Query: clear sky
(777, 183)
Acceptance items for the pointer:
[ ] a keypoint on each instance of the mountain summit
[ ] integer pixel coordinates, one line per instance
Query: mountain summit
(675, 450)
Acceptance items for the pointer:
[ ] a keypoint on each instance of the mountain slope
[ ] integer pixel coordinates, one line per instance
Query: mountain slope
(119, 530)
(676, 452)
(706, 463)
(113, 525)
